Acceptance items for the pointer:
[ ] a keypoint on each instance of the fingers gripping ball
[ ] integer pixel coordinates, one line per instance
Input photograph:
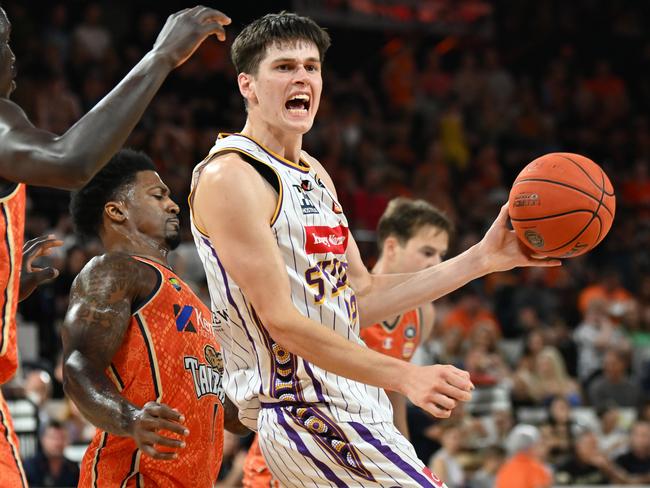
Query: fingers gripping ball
(562, 205)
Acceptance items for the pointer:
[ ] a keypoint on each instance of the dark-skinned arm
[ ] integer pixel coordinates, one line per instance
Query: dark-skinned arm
(37, 157)
(231, 419)
(93, 330)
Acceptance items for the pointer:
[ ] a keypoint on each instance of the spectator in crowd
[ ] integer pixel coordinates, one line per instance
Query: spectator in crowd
(559, 431)
(614, 386)
(636, 461)
(594, 336)
(589, 465)
(469, 313)
(485, 476)
(445, 461)
(525, 466)
(612, 438)
(49, 467)
(549, 379)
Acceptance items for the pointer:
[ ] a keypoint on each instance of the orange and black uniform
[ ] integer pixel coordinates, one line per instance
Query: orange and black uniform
(398, 339)
(12, 226)
(168, 355)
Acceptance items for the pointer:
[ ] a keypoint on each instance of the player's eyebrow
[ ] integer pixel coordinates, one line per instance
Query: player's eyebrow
(164, 188)
(310, 59)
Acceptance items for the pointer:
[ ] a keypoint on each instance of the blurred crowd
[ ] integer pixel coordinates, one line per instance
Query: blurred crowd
(560, 356)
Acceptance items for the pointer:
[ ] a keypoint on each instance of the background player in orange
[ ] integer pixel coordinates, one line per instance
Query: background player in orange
(37, 157)
(412, 235)
(140, 358)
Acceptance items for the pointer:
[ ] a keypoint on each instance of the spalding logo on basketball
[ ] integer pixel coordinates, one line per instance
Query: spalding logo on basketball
(562, 205)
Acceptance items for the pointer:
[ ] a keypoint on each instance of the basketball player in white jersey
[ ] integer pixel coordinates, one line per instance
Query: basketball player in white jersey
(289, 290)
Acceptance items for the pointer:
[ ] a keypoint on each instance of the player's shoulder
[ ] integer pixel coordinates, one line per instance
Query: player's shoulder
(12, 116)
(230, 172)
(112, 268)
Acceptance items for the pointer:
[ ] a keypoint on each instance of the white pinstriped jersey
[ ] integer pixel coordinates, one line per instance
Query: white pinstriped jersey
(312, 234)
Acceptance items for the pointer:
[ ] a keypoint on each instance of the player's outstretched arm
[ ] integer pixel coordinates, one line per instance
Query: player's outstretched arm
(232, 201)
(382, 296)
(37, 157)
(93, 330)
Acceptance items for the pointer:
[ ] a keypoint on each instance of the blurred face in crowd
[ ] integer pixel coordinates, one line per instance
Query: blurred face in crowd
(7, 58)
(613, 366)
(560, 410)
(426, 248)
(587, 447)
(640, 439)
(54, 440)
(451, 439)
(284, 93)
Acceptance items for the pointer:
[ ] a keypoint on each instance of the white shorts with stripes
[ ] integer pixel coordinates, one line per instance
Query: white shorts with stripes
(304, 447)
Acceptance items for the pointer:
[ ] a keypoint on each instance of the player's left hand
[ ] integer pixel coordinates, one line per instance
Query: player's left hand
(30, 276)
(502, 250)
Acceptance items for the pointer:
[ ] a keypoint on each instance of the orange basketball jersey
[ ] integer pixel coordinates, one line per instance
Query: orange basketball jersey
(168, 355)
(256, 472)
(399, 338)
(12, 226)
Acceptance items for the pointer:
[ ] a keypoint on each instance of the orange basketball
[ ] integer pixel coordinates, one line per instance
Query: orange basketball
(562, 205)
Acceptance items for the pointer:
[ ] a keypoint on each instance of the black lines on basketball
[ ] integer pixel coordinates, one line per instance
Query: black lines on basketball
(602, 174)
(566, 185)
(546, 217)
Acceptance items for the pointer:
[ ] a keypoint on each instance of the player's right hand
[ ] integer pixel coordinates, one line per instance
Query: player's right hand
(438, 388)
(185, 30)
(150, 424)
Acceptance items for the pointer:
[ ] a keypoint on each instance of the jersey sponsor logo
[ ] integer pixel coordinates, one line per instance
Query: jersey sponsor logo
(219, 319)
(388, 343)
(175, 283)
(184, 318)
(436, 481)
(407, 349)
(410, 331)
(306, 204)
(207, 376)
(306, 185)
(322, 239)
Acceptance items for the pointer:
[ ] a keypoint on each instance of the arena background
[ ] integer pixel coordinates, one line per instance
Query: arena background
(442, 100)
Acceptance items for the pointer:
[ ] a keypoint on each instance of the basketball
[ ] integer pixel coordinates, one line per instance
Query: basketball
(562, 205)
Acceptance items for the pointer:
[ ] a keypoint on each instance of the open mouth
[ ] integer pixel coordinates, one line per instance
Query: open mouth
(298, 104)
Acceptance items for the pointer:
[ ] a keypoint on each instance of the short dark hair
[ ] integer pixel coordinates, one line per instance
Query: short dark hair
(87, 204)
(250, 45)
(404, 217)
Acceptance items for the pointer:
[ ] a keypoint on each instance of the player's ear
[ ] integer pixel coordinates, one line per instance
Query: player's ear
(246, 84)
(390, 247)
(116, 211)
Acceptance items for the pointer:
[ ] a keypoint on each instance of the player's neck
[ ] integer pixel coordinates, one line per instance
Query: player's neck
(282, 143)
(137, 246)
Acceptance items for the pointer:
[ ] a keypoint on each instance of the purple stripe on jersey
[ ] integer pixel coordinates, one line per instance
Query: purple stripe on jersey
(394, 458)
(231, 299)
(302, 449)
(317, 388)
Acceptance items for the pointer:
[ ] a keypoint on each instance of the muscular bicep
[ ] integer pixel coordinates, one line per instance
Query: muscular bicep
(100, 309)
(235, 205)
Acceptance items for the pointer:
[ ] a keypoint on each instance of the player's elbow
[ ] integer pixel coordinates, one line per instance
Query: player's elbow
(277, 320)
(71, 372)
